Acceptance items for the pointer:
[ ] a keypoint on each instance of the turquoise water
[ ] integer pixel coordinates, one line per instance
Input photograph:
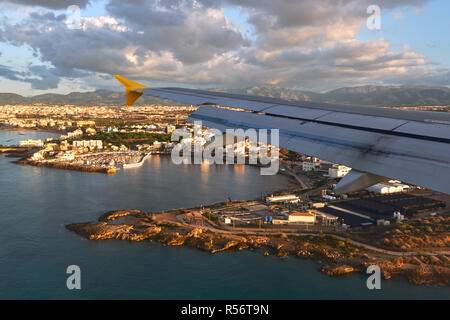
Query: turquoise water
(35, 247)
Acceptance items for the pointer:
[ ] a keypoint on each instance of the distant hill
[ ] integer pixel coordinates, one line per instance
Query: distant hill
(12, 98)
(391, 96)
(277, 92)
(365, 95)
(99, 97)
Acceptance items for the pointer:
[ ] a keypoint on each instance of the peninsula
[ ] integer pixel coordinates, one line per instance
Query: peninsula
(337, 253)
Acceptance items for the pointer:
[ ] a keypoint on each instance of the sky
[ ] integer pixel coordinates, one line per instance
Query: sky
(61, 46)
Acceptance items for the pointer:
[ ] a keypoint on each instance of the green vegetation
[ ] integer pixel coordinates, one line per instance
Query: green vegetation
(290, 155)
(130, 139)
(211, 217)
(320, 183)
(345, 247)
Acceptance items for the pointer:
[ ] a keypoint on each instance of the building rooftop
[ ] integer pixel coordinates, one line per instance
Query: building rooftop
(301, 214)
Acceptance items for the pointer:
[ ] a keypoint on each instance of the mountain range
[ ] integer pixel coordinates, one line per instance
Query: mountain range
(363, 95)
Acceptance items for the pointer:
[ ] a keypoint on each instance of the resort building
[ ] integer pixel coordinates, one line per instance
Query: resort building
(338, 171)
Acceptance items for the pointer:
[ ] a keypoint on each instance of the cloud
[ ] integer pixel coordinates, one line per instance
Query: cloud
(43, 78)
(302, 44)
(399, 15)
(110, 46)
(10, 74)
(194, 31)
(40, 77)
(419, 11)
(51, 4)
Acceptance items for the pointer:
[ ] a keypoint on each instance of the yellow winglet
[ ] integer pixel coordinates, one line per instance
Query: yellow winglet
(133, 89)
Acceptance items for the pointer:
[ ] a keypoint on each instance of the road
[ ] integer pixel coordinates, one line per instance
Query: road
(208, 226)
(301, 181)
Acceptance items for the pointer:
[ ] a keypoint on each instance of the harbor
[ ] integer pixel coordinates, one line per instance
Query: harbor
(137, 164)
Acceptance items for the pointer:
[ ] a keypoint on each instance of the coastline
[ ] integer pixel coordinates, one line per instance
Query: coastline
(335, 255)
(9, 128)
(15, 152)
(67, 166)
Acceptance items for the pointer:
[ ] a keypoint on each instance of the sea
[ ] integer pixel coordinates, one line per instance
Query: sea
(36, 248)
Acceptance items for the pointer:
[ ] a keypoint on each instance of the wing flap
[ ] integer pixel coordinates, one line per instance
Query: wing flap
(407, 159)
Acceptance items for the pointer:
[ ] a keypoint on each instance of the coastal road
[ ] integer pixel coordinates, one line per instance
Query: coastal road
(211, 228)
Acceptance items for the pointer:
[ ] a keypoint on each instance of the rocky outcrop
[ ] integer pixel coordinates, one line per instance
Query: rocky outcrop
(69, 166)
(105, 231)
(427, 232)
(338, 270)
(418, 270)
(113, 215)
(16, 152)
(336, 257)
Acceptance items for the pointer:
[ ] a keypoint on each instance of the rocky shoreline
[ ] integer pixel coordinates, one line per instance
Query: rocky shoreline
(67, 166)
(15, 152)
(48, 130)
(335, 257)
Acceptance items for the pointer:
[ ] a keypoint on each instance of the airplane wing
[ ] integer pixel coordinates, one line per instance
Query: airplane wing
(378, 143)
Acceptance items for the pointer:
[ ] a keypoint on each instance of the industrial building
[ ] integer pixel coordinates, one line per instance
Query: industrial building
(302, 217)
(291, 198)
(385, 188)
(296, 217)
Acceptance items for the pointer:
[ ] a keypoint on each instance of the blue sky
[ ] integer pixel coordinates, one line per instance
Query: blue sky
(426, 32)
(273, 43)
(425, 29)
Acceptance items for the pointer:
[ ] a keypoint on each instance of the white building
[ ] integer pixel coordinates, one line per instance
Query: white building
(75, 134)
(338, 171)
(309, 165)
(302, 217)
(31, 143)
(67, 156)
(91, 144)
(385, 188)
(157, 145)
(37, 156)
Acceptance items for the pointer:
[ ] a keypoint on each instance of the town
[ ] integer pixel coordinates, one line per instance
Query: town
(386, 218)
(107, 139)
(98, 137)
